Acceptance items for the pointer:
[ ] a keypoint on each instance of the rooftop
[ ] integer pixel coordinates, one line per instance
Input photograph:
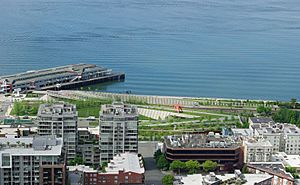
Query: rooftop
(273, 168)
(288, 160)
(241, 132)
(80, 168)
(210, 140)
(258, 143)
(118, 109)
(90, 130)
(57, 109)
(40, 145)
(198, 179)
(75, 69)
(127, 162)
(261, 120)
(277, 128)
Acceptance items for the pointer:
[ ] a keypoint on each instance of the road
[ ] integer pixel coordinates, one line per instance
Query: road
(5, 104)
(153, 176)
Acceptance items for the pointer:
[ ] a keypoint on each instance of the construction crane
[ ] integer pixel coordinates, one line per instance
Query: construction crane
(178, 108)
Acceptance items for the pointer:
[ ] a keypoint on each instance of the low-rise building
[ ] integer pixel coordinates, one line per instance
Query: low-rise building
(13, 131)
(260, 120)
(76, 173)
(225, 150)
(125, 168)
(275, 169)
(257, 150)
(287, 160)
(32, 161)
(228, 179)
(283, 137)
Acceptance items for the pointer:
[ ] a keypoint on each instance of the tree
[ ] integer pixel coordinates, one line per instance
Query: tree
(157, 154)
(104, 164)
(260, 109)
(245, 169)
(209, 166)
(285, 115)
(268, 111)
(293, 171)
(76, 161)
(192, 166)
(17, 109)
(264, 110)
(293, 102)
(177, 165)
(168, 180)
(162, 163)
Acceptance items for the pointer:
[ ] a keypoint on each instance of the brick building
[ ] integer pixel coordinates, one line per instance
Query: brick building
(125, 168)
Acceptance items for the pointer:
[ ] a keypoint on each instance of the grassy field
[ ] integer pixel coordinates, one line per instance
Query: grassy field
(23, 108)
(89, 107)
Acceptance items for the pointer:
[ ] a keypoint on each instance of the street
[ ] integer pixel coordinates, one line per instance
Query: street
(153, 175)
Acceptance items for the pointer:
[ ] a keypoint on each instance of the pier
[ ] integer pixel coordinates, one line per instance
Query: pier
(59, 78)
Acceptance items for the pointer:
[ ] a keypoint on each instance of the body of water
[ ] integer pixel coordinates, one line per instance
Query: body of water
(204, 48)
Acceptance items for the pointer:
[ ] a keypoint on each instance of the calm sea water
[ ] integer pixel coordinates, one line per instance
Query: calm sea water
(211, 48)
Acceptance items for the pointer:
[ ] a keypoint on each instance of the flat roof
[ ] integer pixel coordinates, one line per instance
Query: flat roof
(275, 168)
(289, 160)
(197, 179)
(129, 162)
(59, 108)
(41, 145)
(91, 130)
(43, 74)
(278, 128)
(261, 120)
(241, 131)
(210, 140)
(258, 143)
(81, 168)
(118, 109)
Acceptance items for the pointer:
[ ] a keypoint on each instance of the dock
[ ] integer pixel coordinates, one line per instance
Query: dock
(59, 78)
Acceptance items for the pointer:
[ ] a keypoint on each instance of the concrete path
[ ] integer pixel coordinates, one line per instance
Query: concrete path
(189, 111)
(159, 114)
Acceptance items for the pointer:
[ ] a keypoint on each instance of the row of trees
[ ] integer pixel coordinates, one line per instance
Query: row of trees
(265, 111)
(285, 115)
(293, 104)
(193, 166)
(190, 166)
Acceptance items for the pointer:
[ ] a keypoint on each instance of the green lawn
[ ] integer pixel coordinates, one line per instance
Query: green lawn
(89, 107)
(26, 108)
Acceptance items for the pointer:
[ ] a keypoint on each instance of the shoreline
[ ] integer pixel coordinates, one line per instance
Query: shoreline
(166, 99)
(187, 97)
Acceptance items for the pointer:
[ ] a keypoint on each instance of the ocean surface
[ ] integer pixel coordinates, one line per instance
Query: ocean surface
(203, 48)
